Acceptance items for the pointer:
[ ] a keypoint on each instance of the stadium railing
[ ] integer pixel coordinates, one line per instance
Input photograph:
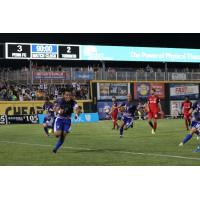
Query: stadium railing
(27, 77)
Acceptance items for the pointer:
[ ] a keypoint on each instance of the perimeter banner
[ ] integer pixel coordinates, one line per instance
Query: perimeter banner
(142, 90)
(179, 91)
(105, 91)
(23, 107)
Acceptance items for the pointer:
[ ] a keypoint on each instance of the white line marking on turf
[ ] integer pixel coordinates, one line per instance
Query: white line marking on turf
(125, 152)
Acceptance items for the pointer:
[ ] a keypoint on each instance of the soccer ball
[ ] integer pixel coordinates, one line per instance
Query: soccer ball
(50, 131)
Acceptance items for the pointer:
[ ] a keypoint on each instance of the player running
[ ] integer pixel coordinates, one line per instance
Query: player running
(114, 112)
(153, 107)
(195, 125)
(65, 107)
(49, 118)
(128, 113)
(185, 107)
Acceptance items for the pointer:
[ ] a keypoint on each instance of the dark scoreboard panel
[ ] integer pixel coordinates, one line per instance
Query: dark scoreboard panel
(18, 51)
(42, 51)
(69, 52)
(1, 51)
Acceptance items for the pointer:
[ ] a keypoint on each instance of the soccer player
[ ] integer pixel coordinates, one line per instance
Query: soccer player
(114, 112)
(185, 107)
(65, 107)
(195, 125)
(153, 107)
(49, 118)
(128, 113)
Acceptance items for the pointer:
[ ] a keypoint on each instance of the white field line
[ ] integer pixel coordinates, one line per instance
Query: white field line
(123, 152)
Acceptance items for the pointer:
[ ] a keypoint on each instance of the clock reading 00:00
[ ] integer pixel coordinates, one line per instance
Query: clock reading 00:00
(44, 48)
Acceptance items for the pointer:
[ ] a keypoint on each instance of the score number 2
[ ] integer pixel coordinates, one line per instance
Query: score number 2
(69, 49)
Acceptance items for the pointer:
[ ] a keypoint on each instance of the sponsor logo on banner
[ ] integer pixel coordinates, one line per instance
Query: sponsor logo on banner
(178, 76)
(18, 119)
(105, 91)
(160, 89)
(3, 119)
(88, 117)
(142, 90)
(179, 91)
(83, 75)
(23, 107)
(82, 118)
(51, 75)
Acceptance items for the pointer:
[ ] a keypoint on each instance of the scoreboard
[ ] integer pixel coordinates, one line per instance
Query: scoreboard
(42, 51)
(18, 51)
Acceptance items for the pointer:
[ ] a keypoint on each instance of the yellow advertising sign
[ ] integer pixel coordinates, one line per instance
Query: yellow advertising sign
(24, 107)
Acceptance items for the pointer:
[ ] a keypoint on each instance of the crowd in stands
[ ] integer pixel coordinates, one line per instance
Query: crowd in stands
(15, 92)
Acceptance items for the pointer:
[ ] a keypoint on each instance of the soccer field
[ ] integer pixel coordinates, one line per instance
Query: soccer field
(98, 145)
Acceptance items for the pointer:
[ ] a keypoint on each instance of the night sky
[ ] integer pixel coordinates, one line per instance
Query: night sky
(143, 39)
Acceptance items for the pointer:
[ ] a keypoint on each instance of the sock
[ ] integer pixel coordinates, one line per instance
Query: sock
(155, 125)
(59, 143)
(114, 124)
(189, 122)
(121, 130)
(187, 138)
(46, 130)
(117, 124)
(186, 123)
(151, 124)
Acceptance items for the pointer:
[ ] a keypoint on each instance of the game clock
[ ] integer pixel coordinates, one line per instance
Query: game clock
(44, 51)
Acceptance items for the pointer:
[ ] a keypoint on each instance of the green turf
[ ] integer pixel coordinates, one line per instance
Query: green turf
(96, 144)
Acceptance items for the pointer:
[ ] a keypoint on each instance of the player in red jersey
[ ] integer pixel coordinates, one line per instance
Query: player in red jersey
(153, 107)
(114, 112)
(185, 107)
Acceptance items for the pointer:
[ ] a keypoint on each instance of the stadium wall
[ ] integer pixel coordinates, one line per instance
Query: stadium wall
(169, 92)
(33, 107)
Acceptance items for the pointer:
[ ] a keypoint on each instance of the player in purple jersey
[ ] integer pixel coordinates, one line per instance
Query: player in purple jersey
(65, 107)
(128, 113)
(195, 126)
(49, 118)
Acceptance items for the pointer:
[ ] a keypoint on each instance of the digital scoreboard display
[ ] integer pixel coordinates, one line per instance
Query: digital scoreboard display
(18, 51)
(44, 51)
(70, 52)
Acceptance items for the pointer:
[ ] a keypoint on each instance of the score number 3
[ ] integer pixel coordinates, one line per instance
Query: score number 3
(19, 48)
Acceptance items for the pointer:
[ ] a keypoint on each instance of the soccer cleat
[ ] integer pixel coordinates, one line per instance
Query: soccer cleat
(131, 125)
(153, 131)
(198, 137)
(181, 144)
(121, 136)
(54, 151)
